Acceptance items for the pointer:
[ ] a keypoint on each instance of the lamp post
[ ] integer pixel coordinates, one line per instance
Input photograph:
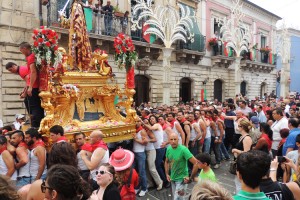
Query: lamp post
(167, 24)
(238, 37)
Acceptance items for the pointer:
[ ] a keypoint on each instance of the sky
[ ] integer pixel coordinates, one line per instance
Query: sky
(286, 9)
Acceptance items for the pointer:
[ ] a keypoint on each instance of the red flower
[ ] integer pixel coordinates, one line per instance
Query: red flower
(44, 31)
(35, 31)
(55, 48)
(121, 35)
(53, 41)
(42, 27)
(36, 43)
(118, 51)
(48, 44)
(41, 40)
(124, 49)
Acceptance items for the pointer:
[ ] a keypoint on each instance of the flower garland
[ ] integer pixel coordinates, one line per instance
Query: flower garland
(125, 56)
(45, 47)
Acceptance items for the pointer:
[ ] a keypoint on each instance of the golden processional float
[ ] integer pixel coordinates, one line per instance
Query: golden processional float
(77, 88)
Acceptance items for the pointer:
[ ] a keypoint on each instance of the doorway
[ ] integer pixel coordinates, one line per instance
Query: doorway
(141, 89)
(185, 89)
(218, 90)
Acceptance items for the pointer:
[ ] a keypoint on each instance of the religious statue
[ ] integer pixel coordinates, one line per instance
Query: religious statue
(79, 44)
(99, 62)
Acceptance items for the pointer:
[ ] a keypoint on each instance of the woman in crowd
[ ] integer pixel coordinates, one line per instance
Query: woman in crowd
(64, 182)
(106, 181)
(7, 190)
(243, 145)
(270, 119)
(126, 175)
(264, 143)
(207, 190)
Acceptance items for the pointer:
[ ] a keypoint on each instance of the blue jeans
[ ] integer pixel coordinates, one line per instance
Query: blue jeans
(179, 190)
(223, 150)
(160, 153)
(140, 163)
(216, 149)
(206, 145)
(22, 181)
(108, 24)
(194, 149)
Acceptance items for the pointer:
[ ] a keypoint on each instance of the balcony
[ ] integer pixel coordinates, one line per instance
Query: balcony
(258, 61)
(99, 33)
(191, 52)
(221, 57)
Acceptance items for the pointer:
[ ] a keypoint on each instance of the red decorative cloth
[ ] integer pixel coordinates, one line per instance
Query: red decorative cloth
(165, 126)
(139, 129)
(38, 143)
(100, 144)
(62, 139)
(3, 149)
(130, 78)
(23, 144)
(172, 123)
(87, 147)
(43, 78)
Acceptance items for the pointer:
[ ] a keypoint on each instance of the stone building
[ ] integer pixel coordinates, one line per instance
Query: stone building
(195, 66)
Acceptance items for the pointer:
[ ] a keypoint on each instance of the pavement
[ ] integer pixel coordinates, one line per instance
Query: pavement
(224, 178)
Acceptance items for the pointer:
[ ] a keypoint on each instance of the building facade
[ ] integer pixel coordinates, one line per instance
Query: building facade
(198, 70)
(290, 71)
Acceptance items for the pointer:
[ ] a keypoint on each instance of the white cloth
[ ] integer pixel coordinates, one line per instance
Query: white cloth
(276, 127)
(293, 155)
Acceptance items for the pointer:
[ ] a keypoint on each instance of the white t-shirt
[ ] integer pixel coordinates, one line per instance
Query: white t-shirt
(293, 155)
(276, 127)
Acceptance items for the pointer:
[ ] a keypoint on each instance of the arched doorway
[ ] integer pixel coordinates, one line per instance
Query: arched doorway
(185, 89)
(263, 89)
(218, 90)
(243, 88)
(141, 89)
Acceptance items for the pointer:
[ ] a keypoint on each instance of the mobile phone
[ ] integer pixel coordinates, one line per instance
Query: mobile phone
(281, 159)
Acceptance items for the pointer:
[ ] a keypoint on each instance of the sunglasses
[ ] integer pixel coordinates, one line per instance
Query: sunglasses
(102, 172)
(44, 187)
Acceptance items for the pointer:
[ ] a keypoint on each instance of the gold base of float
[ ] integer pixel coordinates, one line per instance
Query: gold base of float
(75, 90)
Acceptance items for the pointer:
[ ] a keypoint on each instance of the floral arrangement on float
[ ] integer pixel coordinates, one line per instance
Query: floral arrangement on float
(212, 41)
(265, 50)
(45, 49)
(125, 57)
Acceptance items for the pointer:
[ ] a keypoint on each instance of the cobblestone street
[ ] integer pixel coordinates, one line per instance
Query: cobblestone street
(225, 179)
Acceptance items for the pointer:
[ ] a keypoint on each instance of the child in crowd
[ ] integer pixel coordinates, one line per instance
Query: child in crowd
(204, 164)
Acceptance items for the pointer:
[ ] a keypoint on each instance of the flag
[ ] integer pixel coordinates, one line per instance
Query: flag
(230, 52)
(271, 58)
(150, 38)
(205, 95)
(202, 95)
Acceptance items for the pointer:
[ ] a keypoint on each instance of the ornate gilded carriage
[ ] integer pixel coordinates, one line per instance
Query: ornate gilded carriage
(80, 93)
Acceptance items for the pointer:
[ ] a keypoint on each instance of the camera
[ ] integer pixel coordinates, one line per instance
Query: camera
(281, 159)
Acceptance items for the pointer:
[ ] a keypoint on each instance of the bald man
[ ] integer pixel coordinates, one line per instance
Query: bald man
(176, 160)
(100, 154)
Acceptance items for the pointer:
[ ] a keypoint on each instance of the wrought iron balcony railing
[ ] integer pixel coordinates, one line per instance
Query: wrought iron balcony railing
(111, 25)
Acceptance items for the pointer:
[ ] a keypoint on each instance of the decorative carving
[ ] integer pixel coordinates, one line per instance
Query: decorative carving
(144, 64)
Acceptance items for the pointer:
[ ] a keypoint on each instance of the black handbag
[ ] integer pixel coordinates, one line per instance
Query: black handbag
(232, 167)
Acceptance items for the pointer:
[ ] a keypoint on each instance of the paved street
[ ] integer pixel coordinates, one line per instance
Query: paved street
(225, 179)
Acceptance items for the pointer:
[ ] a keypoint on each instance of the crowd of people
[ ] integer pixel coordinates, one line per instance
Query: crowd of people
(173, 146)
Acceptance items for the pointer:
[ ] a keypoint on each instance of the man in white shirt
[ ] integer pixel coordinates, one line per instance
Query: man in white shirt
(280, 123)
(244, 108)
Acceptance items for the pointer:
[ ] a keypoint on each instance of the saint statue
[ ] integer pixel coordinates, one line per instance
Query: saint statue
(79, 45)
